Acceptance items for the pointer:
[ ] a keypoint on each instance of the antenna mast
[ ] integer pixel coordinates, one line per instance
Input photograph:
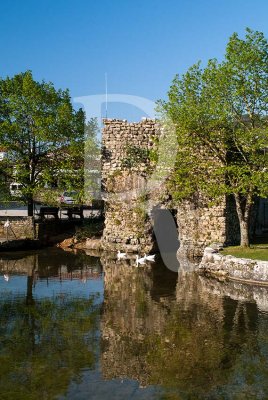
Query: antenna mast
(106, 94)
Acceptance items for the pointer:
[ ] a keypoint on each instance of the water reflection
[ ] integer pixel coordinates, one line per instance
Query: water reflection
(199, 339)
(74, 326)
(45, 340)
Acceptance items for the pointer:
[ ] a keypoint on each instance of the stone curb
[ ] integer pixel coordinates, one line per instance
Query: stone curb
(229, 267)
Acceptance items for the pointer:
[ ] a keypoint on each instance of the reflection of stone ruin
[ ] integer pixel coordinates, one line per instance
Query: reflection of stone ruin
(130, 317)
(127, 168)
(180, 339)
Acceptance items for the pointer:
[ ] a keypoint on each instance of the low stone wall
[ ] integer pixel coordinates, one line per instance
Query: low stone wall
(19, 228)
(24, 232)
(228, 267)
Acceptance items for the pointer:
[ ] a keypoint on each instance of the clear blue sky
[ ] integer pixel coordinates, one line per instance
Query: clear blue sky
(141, 44)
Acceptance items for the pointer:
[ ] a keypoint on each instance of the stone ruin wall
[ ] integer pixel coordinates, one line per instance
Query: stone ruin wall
(126, 224)
(200, 225)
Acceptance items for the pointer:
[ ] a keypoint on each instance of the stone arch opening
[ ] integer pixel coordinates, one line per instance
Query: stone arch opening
(166, 234)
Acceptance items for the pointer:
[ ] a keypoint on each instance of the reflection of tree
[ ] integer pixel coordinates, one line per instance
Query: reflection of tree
(182, 343)
(30, 282)
(44, 345)
(48, 263)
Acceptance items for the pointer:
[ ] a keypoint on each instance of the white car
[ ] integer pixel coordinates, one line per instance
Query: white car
(15, 189)
(69, 198)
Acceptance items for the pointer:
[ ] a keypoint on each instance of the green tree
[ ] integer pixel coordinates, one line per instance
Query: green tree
(92, 161)
(220, 114)
(41, 132)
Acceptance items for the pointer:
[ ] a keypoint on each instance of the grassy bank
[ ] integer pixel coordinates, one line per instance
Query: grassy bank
(254, 252)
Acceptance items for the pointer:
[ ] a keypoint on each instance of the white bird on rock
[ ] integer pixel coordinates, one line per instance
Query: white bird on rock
(120, 255)
(6, 277)
(7, 224)
(150, 257)
(140, 260)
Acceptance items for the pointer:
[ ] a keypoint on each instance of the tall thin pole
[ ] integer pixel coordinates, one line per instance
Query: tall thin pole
(106, 94)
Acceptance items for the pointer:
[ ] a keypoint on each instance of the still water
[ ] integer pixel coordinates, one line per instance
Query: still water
(74, 326)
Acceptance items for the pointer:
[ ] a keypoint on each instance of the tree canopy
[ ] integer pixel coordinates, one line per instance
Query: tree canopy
(45, 345)
(220, 114)
(42, 134)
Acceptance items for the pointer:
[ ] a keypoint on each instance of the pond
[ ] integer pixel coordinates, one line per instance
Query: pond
(75, 326)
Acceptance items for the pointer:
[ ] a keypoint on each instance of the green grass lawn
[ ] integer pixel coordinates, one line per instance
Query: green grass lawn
(255, 251)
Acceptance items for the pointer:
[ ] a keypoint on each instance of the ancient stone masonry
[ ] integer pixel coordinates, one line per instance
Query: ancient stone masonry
(127, 165)
(200, 225)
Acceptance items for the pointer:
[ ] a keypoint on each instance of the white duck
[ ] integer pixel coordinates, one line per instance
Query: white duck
(150, 257)
(6, 277)
(140, 260)
(120, 255)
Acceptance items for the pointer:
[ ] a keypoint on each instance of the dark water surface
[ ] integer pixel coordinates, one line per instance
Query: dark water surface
(73, 326)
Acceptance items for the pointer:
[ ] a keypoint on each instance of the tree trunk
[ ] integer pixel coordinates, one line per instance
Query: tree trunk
(244, 233)
(243, 207)
(29, 295)
(30, 204)
(30, 281)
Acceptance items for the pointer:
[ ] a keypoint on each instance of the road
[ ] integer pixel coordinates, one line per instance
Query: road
(17, 209)
(14, 209)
